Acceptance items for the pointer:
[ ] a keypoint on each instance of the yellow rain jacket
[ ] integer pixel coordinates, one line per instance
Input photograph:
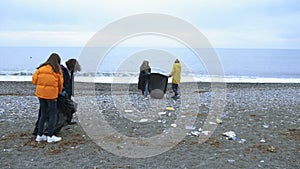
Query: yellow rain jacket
(176, 73)
(48, 83)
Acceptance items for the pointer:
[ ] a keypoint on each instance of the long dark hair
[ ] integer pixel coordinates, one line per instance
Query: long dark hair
(73, 65)
(53, 61)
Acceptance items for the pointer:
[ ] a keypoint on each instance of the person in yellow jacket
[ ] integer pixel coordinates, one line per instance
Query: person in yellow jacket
(48, 79)
(176, 76)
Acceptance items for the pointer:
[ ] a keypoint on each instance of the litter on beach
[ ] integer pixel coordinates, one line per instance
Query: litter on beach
(174, 125)
(190, 127)
(170, 108)
(195, 133)
(162, 113)
(262, 141)
(242, 141)
(143, 120)
(230, 135)
(206, 132)
(265, 126)
(212, 123)
(219, 121)
(128, 111)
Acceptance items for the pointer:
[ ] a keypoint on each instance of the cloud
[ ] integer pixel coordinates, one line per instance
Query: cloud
(44, 38)
(228, 23)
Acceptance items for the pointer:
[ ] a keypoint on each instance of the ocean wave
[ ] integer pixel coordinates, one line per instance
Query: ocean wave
(133, 78)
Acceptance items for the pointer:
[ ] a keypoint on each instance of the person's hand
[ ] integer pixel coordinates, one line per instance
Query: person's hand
(64, 93)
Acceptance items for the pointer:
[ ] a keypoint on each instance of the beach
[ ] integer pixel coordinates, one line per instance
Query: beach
(264, 116)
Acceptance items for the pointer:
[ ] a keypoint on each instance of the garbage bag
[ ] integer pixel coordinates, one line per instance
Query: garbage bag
(65, 110)
(158, 85)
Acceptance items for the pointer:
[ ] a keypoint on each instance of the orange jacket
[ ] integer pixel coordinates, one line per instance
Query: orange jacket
(48, 83)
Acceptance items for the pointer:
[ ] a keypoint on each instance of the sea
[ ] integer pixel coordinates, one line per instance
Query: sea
(230, 65)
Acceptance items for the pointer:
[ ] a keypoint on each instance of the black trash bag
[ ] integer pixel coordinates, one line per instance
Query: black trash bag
(65, 110)
(67, 107)
(158, 85)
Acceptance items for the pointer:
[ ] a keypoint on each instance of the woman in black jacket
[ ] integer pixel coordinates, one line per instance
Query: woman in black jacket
(68, 70)
(144, 76)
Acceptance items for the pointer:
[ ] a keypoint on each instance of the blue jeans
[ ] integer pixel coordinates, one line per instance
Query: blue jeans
(146, 92)
(175, 89)
(48, 108)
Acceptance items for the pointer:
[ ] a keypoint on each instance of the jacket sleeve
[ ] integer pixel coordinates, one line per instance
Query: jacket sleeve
(60, 82)
(35, 77)
(173, 71)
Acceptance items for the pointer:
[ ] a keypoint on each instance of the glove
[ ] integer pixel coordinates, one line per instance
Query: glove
(64, 93)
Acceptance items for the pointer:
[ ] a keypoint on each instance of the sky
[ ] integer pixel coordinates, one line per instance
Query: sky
(225, 23)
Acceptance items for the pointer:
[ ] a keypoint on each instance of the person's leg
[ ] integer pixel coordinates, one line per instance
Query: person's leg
(175, 89)
(146, 89)
(52, 113)
(44, 109)
(35, 131)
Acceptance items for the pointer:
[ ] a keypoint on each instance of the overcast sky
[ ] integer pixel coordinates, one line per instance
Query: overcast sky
(226, 23)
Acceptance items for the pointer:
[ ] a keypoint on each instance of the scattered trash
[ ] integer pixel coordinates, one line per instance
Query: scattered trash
(272, 149)
(174, 125)
(242, 141)
(265, 126)
(206, 132)
(195, 133)
(230, 135)
(143, 120)
(212, 123)
(162, 113)
(231, 161)
(262, 141)
(8, 150)
(159, 121)
(128, 111)
(262, 161)
(163, 121)
(219, 121)
(169, 114)
(190, 127)
(170, 108)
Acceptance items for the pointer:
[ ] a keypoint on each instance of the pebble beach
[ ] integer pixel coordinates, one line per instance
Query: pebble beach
(264, 117)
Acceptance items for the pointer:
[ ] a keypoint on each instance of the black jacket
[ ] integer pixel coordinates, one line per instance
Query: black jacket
(68, 81)
(143, 77)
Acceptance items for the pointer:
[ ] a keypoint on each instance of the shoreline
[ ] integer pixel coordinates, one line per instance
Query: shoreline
(29, 88)
(130, 80)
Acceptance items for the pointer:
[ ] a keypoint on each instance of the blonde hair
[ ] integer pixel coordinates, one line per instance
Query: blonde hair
(145, 65)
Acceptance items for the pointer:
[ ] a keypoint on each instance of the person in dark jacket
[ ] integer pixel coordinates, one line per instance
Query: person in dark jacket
(144, 76)
(71, 66)
(68, 70)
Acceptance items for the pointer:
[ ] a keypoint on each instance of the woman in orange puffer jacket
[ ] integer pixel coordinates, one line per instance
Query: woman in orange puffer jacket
(49, 80)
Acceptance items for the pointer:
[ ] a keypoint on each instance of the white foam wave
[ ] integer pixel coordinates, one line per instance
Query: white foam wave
(134, 79)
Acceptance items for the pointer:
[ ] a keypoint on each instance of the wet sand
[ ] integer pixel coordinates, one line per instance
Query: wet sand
(264, 117)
